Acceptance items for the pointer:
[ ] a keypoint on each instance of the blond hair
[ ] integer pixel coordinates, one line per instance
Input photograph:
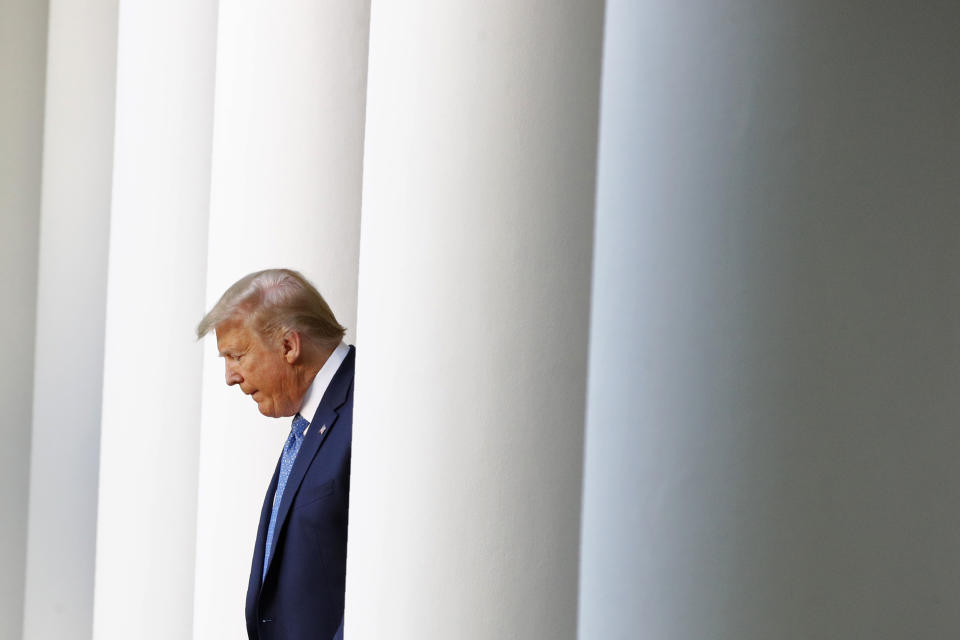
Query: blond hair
(272, 302)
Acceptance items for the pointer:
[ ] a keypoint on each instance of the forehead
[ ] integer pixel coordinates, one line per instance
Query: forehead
(233, 334)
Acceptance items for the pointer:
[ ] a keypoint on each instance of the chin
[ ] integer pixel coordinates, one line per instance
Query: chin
(273, 411)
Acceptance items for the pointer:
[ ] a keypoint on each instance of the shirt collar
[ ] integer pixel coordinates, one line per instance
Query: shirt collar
(311, 401)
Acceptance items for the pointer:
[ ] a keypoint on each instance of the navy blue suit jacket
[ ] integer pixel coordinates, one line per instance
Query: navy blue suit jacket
(301, 597)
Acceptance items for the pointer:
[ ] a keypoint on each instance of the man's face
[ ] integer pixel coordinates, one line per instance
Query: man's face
(262, 370)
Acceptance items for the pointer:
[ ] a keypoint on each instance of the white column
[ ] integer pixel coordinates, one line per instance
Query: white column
(474, 276)
(151, 389)
(285, 192)
(773, 399)
(23, 37)
(71, 298)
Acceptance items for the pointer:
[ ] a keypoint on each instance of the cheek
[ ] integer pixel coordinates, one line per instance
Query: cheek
(262, 379)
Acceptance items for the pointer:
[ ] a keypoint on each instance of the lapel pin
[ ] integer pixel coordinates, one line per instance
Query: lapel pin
(322, 429)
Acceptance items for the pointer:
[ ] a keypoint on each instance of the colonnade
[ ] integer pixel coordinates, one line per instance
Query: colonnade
(655, 308)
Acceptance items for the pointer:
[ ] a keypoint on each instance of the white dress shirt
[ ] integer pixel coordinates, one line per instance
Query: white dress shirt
(320, 383)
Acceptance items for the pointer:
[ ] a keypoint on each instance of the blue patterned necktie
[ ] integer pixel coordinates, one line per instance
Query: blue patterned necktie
(290, 449)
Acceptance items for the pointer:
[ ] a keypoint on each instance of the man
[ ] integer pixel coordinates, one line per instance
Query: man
(284, 348)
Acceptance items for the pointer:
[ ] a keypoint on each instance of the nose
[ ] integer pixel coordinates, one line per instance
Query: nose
(232, 375)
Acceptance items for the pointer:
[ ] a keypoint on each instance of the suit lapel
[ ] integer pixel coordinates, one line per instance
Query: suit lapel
(324, 421)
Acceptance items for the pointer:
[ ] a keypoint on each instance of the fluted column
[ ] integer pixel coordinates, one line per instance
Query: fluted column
(772, 425)
(285, 191)
(473, 308)
(151, 390)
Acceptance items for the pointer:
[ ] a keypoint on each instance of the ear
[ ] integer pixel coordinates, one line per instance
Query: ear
(290, 345)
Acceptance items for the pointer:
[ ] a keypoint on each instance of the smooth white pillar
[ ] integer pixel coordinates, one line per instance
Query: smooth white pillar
(474, 295)
(23, 38)
(71, 298)
(290, 88)
(151, 389)
(772, 422)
